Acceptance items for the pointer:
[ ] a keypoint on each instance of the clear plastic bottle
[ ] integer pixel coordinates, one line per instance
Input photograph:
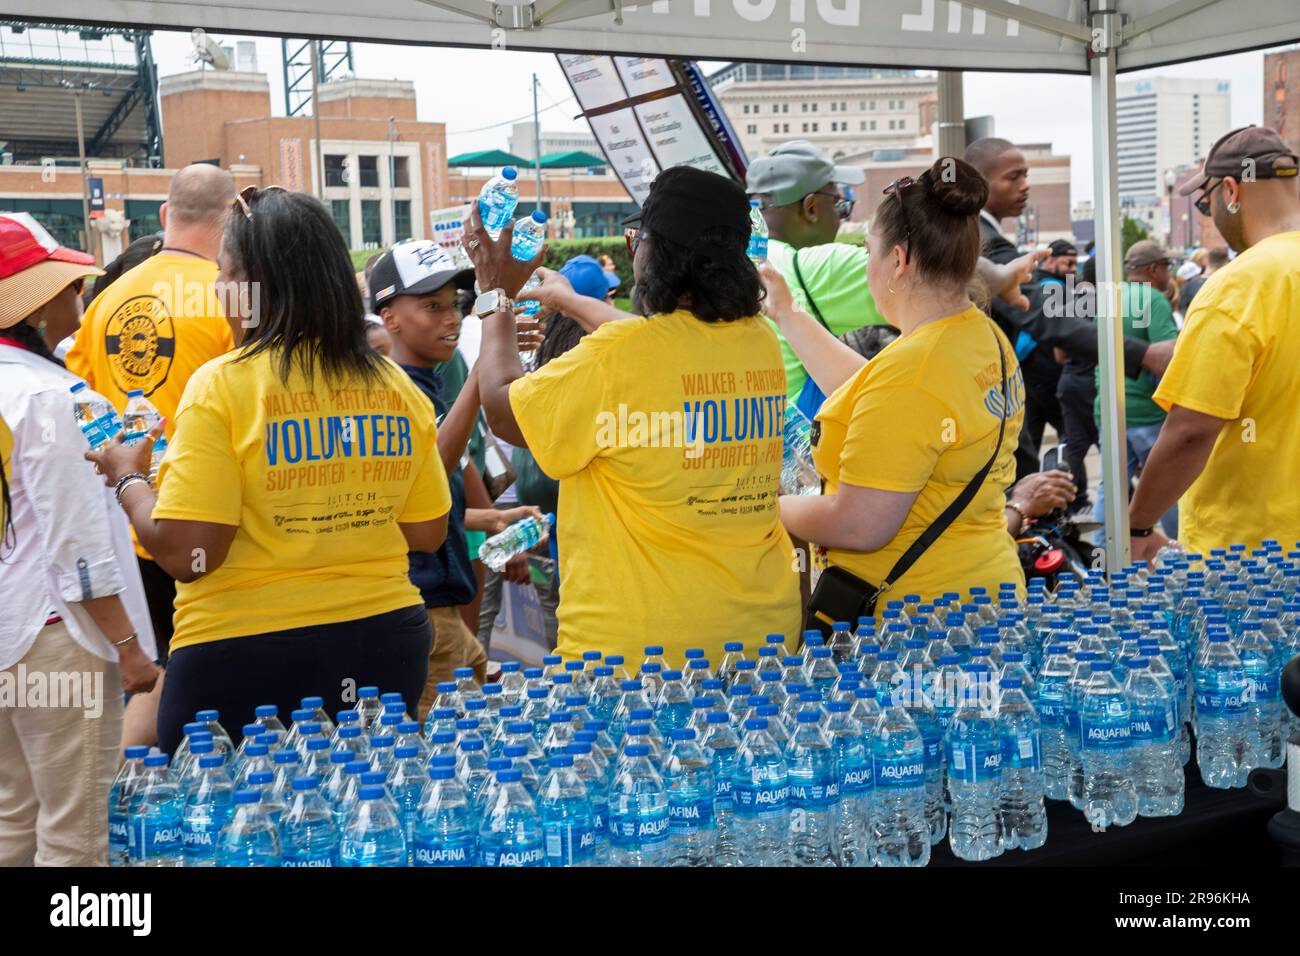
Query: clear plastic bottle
(529, 236)
(1052, 700)
(638, 811)
(568, 826)
(521, 536)
(249, 838)
(510, 834)
(368, 706)
(446, 828)
(688, 778)
(138, 418)
(899, 830)
(211, 721)
(209, 804)
(1020, 796)
(853, 762)
(94, 415)
(154, 818)
(308, 834)
(760, 787)
(673, 706)
(757, 248)
(975, 778)
(589, 770)
(497, 200)
(1106, 729)
(722, 743)
(1263, 671)
(798, 474)
(1222, 713)
(373, 835)
(1157, 772)
(120, 793)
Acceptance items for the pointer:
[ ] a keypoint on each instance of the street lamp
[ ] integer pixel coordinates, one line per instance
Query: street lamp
(1171, 178)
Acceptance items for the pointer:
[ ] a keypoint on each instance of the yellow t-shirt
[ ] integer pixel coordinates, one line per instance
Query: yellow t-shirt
(923, 416)
(151, 330)
(315, 478)
(665, 435)
(1238, 358)
(6, 452)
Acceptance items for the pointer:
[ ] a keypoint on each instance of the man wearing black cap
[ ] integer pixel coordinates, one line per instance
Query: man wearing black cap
(1230, 448)
(664, 431)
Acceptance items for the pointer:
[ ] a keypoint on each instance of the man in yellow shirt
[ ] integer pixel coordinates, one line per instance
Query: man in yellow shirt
(1231, 444)
(150, 331)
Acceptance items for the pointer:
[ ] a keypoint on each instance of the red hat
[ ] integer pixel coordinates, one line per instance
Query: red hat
(34, 268)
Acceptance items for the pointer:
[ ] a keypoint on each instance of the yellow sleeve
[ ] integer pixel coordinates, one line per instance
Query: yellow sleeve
(77, 359)
(200, 478)
(894, 439)
(430, 497)
(560, 407)
(1212, 365)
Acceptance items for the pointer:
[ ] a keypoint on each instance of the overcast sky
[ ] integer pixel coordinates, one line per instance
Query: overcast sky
(472, 89)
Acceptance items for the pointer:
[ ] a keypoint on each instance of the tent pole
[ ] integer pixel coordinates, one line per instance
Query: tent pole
(1110, 357)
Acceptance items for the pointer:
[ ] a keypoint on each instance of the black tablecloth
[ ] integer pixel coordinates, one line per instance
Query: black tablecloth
(1216, 828)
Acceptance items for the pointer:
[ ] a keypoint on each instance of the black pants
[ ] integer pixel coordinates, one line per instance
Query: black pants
(1041, 409)
(390, 651)
(1076, 396)
(160, 595)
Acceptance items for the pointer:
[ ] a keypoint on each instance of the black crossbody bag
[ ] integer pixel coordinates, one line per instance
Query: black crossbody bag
(841, 595)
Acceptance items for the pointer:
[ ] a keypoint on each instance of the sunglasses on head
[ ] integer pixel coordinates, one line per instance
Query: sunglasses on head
(633, 235)
(898, 188)
(244, 198)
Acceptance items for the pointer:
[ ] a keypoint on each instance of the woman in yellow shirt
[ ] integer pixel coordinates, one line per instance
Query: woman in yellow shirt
(303, 468)
(901, 436)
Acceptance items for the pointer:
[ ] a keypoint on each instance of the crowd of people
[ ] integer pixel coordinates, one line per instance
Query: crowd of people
(336, 455)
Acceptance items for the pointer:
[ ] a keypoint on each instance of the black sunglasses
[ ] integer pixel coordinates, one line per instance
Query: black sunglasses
(1203, 203)
(898, 188)
(843, 205)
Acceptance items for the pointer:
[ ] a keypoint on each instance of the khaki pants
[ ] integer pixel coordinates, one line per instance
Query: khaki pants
(454, 645)
(57, 763)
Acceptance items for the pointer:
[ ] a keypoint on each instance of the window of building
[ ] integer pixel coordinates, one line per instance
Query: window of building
(372, 226)
(814, 107)
(803, 107)
(805, 128)
(341, 213)
(835, 107)
(844, 107)
(745, 109)
(862, 104)
(871, 104)
(401, 219)
(368, 171)
(785, 107)
(785, 127)
(144, 216)
(336, 170)
(873, 126)
(891, 124)
(863, 127)
(401, 173)
(814, 127)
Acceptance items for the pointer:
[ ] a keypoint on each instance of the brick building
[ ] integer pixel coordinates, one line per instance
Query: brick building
(1282, 95)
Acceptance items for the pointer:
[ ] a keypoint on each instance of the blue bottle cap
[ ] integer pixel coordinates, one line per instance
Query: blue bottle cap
(371, 793)
(518, 727)
(193, 727)
(560, 717)
(838, 706)
(313, 703)
(558, 679)
(718, 717)
(637, 750)
(207, 716)
(654, 650)
(810, 697)
(382, 741)
(746, 665)
(641, 714)
(510, 775)
(578, 748)
(368, 691)
(531, 672)
(682, 733)
(1102, 666)
(559, 760)
(585, 736)
(793, 660)
(265, 710)
(651, 667)
(136, 752)
(202, 746)
(510, 667)
(462, 672)
(638, 729)
(672, 675)
(304, 783)
(442, 760)
(547, 661)
(515, 750)
(301, 714)
(1137, 663)
(1011, 683)
(256, 750)
(247, 796)
(613, 660)
(808, 716)
(341, 756)
(596, 725)
(756, 723)
(470, 746)
(756, 700)
(408, 727)
(309, 728)
(371, 777)
(357, 766)
(446, 686)
(467, 723)
(285, 756)
(441, 773)
(603, 671)
(260, 778)
(348, 731)
(267, 737)
(347, 717)
(209, 761)
(407, 751)
(591, 655)
(499, 763)
(821, 653)
(155, 760)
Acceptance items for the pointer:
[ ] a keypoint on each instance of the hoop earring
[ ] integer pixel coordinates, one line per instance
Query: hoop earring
(1233, 207)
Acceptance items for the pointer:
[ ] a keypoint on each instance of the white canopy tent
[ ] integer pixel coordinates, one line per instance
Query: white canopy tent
(1096, 37)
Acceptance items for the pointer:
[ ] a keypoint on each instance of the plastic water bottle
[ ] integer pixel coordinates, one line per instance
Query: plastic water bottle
(373, 835)
(688, 777)
(1155, 766)
(1263, 672)
(138, 418)
(638, 811)
(915, 696)
(510, 834)
(761, 791)
(497, 200)
(721, 743)
(568, 824)
(308, 835)
(210, 802)
(1106, 730)
(406, 782)
(586, 764)
(445, 832)
(1080, 673)
(1224, 731)
(975, 777)
(529, 234)
(154, 818)
(898, 826)
(521, 536)
(798, 474)
(814, 787)
(853, 762)
(96, 418)
(119, 803)
(1020, 797)
(757, 248)
(673, 706)
(249, 839)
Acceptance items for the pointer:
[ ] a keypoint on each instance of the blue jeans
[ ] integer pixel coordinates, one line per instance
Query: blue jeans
(1141, 439)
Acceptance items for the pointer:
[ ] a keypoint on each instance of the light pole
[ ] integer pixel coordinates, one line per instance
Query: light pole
(392, 177)
(1170, 179)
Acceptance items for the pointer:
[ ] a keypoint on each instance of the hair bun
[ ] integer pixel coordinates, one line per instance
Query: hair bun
(957, 186)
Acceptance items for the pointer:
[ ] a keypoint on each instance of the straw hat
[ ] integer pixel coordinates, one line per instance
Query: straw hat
(33, 267)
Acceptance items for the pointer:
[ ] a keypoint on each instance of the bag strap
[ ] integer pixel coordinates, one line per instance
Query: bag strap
(798, 274)
(958, 505)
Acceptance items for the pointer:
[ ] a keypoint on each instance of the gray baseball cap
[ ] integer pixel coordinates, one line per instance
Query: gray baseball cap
(793, 170)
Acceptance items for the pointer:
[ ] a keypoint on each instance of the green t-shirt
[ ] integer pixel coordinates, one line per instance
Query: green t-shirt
(1147, 316)
(835, 276)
